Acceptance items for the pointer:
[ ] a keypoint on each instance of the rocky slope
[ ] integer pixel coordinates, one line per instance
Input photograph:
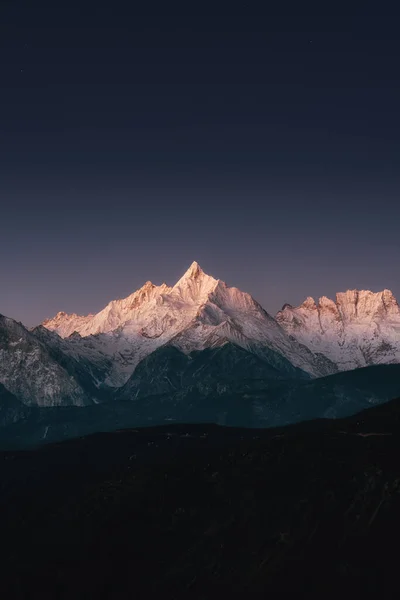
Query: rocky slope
(360, 328)
(30, 371)
(88, 368)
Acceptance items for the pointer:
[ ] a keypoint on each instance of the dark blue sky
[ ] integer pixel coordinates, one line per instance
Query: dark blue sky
(266, 148)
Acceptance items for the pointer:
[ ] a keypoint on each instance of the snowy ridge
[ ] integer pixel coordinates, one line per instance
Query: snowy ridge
(198, 312)
(360, 328)
(66, 324)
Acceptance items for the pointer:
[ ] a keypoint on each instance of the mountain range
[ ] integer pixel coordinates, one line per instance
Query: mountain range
(198, 312)
(203, 339)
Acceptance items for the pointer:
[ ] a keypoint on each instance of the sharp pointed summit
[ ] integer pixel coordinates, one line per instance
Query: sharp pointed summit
(195, 286)
(194, 270)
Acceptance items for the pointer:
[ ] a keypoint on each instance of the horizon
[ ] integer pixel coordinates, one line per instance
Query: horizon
(171, 284)
(266, 148)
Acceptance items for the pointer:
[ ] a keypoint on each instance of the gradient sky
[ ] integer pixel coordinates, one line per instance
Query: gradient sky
(266, 148)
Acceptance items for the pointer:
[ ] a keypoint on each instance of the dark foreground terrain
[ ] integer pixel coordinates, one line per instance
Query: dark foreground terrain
(205, 512)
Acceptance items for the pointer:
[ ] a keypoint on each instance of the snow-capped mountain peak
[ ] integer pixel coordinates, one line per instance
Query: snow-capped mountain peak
(194, 286)
(309, 303)
(193, 272)
(65, 324)
(364, 304)
(357, 329)
(197, 311)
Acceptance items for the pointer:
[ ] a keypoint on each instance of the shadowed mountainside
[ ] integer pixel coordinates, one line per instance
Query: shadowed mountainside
(239, 403)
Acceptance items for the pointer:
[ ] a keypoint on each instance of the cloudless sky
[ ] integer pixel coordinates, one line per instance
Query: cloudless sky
(265, 147)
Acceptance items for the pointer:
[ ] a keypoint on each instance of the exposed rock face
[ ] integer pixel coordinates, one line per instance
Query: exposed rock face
(29, 372)
(360, 328)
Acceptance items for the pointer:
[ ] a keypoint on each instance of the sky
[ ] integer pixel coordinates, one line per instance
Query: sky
(264, 147)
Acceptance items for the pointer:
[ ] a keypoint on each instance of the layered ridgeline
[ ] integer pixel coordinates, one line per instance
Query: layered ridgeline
(202, 339)
(360, 328)
(197, 313)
